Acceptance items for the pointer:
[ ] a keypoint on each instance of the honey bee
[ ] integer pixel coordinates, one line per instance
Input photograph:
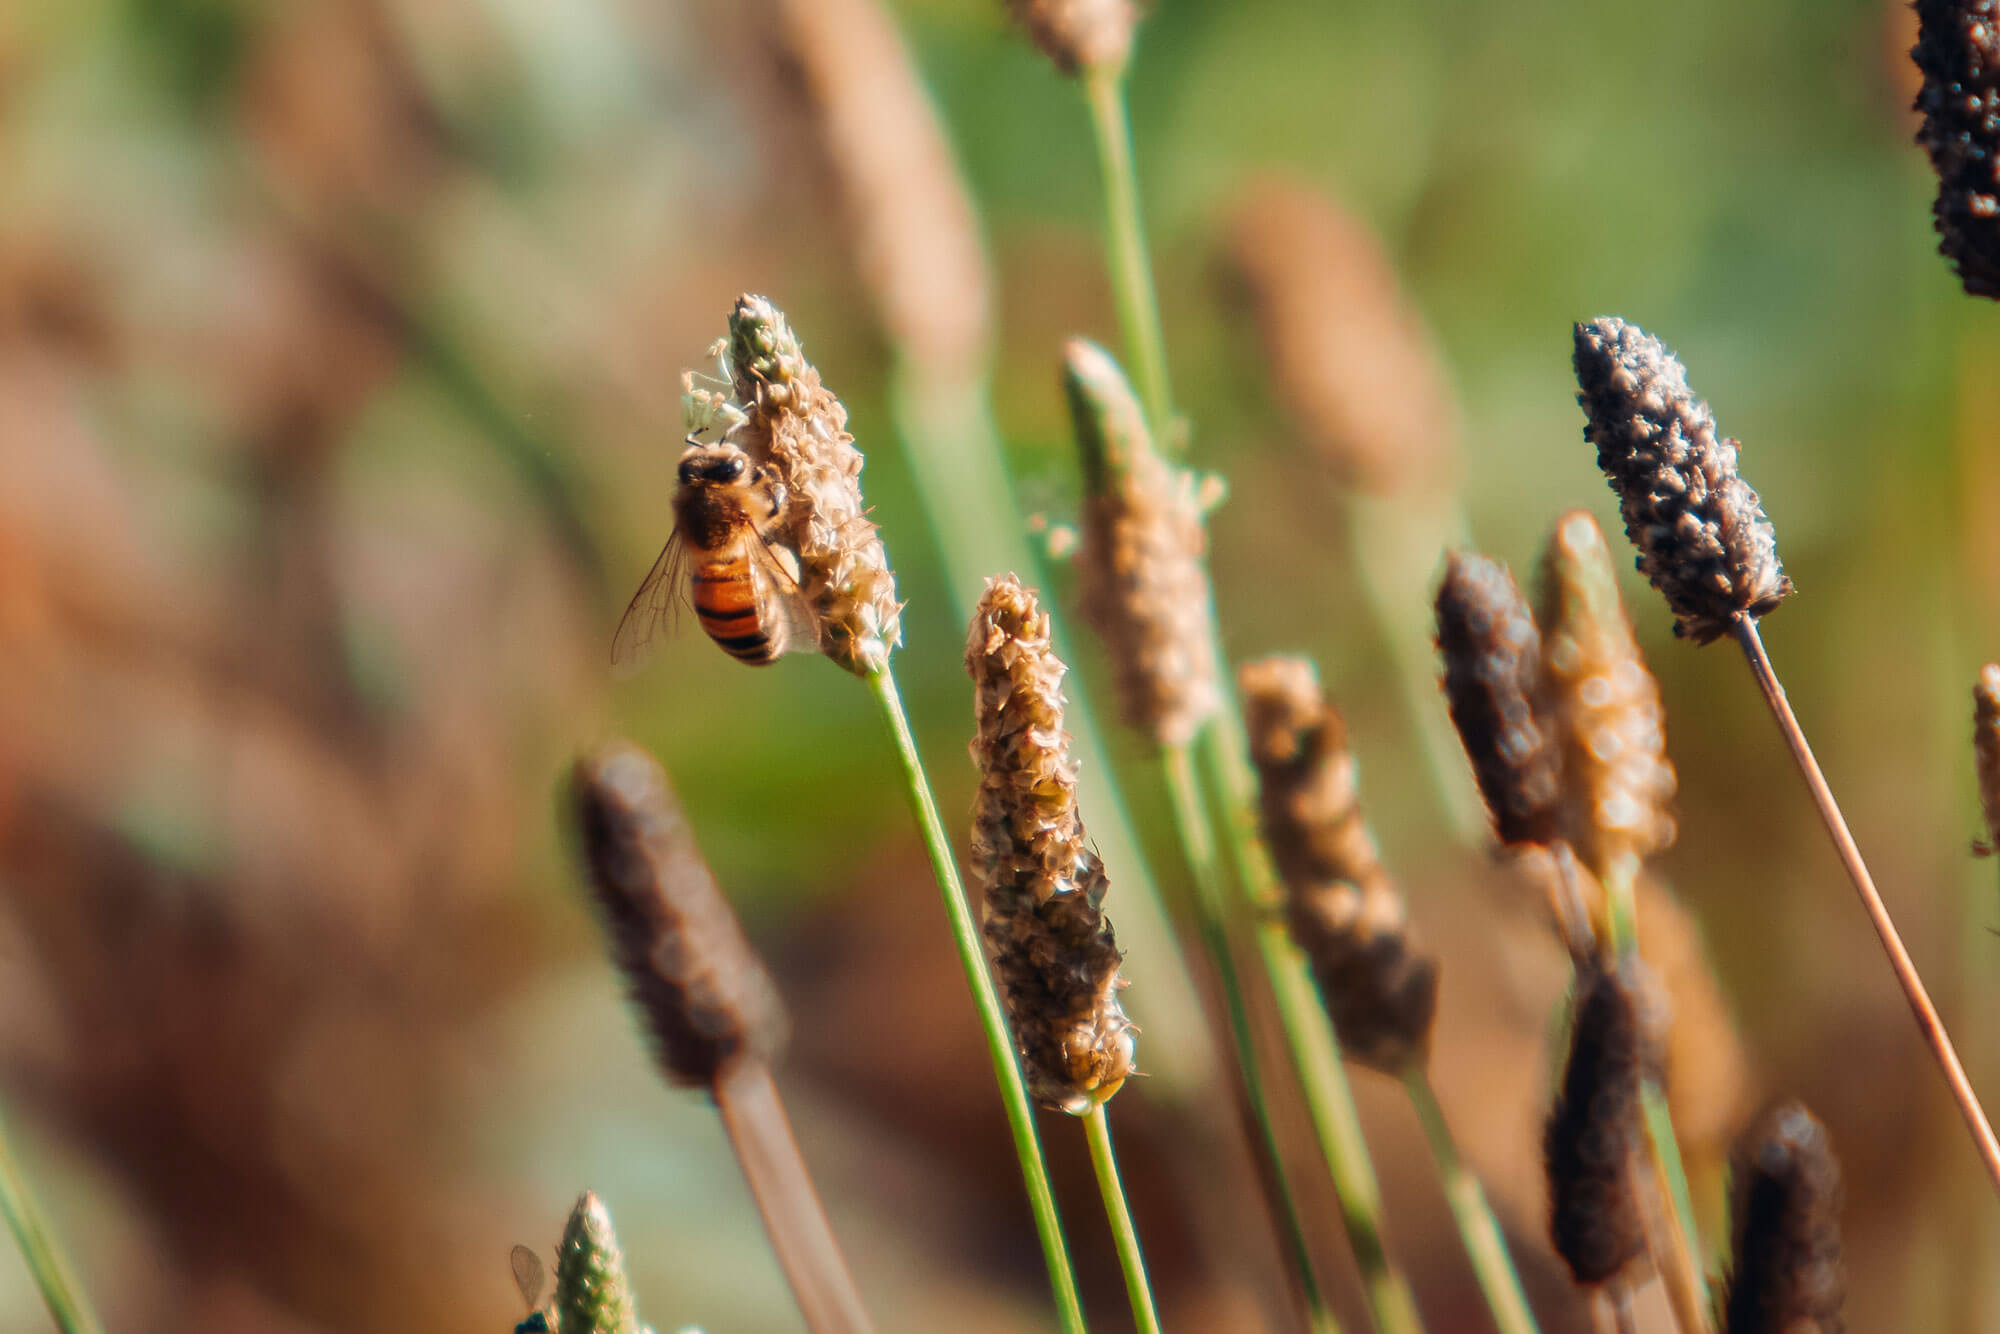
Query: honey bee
(743, 584)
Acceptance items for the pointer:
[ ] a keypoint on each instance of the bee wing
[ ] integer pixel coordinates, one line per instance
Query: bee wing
(781, 571)
(527, 1267)
(652, 609)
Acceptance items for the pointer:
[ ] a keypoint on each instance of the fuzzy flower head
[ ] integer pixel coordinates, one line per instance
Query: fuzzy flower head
(1044, 887)
(1492, 653)
(1140, 567)
(1596, 1127)
(1958, 53)
(1786, 1276)
(694, 978)
(593, 1295)
(1617, 784)
(1986, 747)
(795, 423)
(1079, 35)
(1345, 913)
(1702, 536)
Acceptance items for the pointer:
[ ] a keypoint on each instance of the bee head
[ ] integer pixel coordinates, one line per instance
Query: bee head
(713, 465)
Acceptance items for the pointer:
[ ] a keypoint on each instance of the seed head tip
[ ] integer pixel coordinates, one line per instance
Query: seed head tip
(1141, 575)
(1702, 536)
(795, 423)
(593, 1295)
(1786, 1275)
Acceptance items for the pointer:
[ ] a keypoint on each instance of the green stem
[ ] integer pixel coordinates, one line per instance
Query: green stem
(999, 1039)
(1197, 837)
(1330, 1104)
(1097, 1130)
(1315, 1050)
(1485, 1246)
(64, 1295)
(1686, 1284)
(1125, 248)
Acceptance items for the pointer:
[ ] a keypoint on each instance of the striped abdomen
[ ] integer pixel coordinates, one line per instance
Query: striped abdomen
(732, 600)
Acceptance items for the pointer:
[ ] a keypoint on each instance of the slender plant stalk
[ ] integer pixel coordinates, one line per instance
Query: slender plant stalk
(1197, 837)
(1480, 1230)
(1744, 628)
(1623, 1318)
(30, 1226)
(799, 1231)
(1221, 757)
(1680, 1268)
(1330, 1104)
(1125, 247)
(1097, 1130)
(999, 1041)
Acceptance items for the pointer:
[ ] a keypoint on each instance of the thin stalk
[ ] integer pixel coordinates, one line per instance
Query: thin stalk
(1197, 837)
(1308, 1032)
(1485, 1246)
(1125, 250)
(800, 1234)
(999, 1040)
(1622, 1316)
(30, 1226)
(1680, 1267)
(1336, 1123)
(1928, 1023)
(1097, 1130)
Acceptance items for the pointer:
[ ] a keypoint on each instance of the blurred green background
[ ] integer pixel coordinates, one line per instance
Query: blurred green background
(340, 345)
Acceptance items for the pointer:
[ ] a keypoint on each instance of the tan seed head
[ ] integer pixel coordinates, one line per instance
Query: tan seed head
(794, 422)
(1044, 887)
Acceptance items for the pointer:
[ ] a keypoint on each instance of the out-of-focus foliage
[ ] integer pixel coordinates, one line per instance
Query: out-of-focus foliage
(339, 399)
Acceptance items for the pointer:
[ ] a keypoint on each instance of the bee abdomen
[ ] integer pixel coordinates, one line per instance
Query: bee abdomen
(727, 604)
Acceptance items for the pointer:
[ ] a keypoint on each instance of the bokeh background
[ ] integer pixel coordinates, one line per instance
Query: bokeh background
(340, 345)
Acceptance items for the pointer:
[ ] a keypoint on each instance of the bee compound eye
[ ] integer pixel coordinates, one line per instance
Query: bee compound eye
(730, 469)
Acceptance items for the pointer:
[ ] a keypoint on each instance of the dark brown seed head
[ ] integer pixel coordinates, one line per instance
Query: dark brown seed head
(1492, 680)
(1786, 1277)
(700, 988)
(1596, 1129)
(1702, 536)
(1958, 53)
(1986, 747)
(1044, 887)
(1345, 912)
